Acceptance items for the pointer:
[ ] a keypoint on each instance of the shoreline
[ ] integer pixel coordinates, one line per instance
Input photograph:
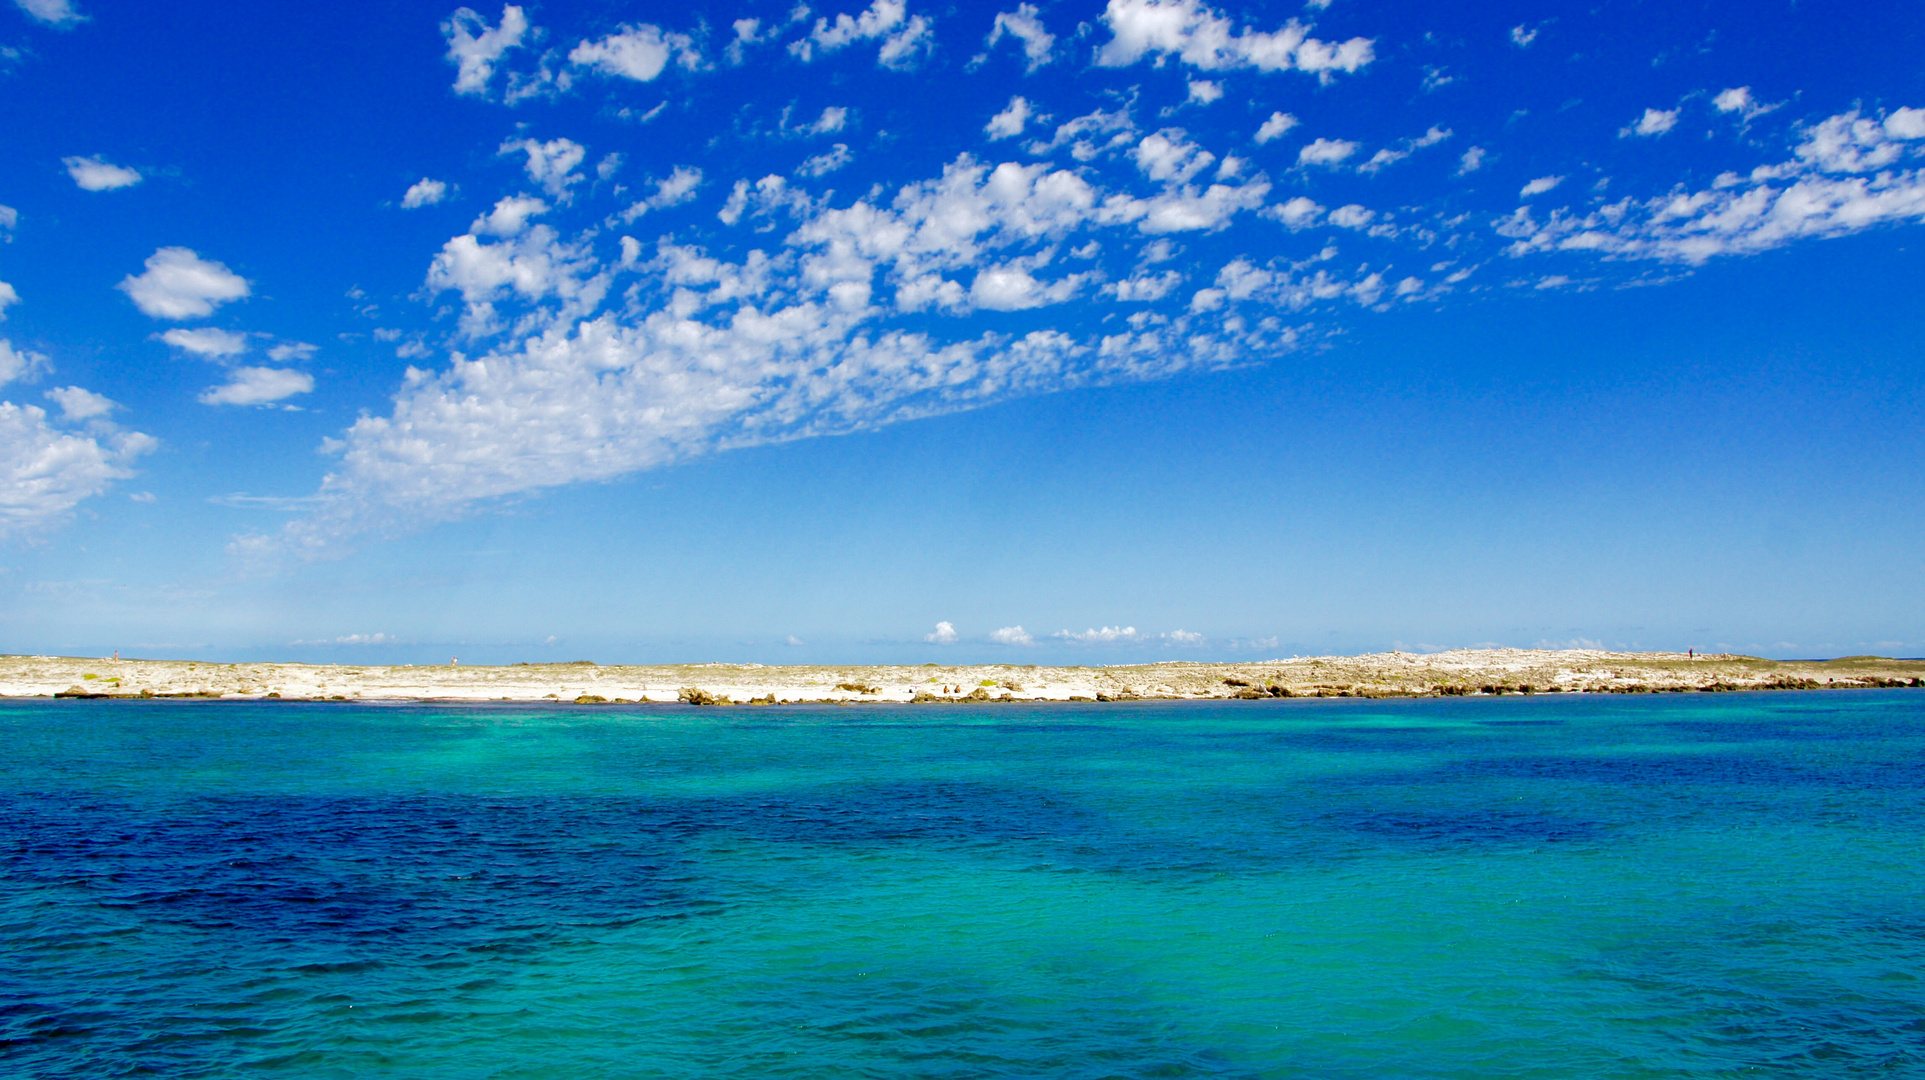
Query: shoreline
(1460, 672)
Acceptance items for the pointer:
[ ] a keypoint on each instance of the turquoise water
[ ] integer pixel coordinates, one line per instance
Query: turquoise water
(1599, 887)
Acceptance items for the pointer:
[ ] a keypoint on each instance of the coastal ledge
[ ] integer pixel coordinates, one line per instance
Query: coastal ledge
(1459, 672)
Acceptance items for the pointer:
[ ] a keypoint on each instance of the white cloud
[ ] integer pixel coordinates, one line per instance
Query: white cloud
(96, 174)
(45, 472)
(1539, 186)
(78, 404)
(827, 162)
(1278, 124)
(1199, 36)
(790, 340)
(1076, 134)
(474, 46)
(1185, 637)
(1010, 287)
(1404, 148)
(52, 12)
(178, 284)
(833, 119)
(1145, 287)
(1905, 124)
(944, 634)
(903, 37)
(678, 188)
(1288, 286)
(1352, 216)
(637, 52)
(295, 350)
(1204, 91)
(1026, 25)
(1522, 36)
(424, 192)
(1296, 213)
(1106, 634)
(1472, 160)
(551, 164)
(1169, 157)
(1653, 122)
(1011, 635)
(509, 217)
(1740, 100)
(9, 218)
(1326, 152)
(1011, 121)
(258, 386)
(8, 298)
(1383, 158)
(1824, 191)
(206, 341)
(21, 365)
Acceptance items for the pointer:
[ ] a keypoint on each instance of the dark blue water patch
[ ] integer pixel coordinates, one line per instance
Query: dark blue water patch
(1476, 828)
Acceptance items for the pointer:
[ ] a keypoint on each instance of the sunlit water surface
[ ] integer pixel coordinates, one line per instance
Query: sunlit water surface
(1570, 887)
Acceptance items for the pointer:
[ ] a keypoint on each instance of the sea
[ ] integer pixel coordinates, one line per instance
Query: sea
(1559, 886)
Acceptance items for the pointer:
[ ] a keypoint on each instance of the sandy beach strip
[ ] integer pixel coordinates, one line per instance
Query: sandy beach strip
(1394, 674)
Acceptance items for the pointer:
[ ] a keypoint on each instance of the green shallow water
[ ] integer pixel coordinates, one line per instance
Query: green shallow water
(1681, 886)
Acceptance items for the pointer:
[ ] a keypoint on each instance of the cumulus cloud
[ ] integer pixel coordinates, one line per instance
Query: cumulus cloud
(1104, 635)
(21, 365)
(96, 174)
(1297, 213)
(903, 36)
(8, 298)
(679, 187)
(1278, 124)
(1326, 152)
(1653, 122)
(1011, 635)
(78, 404)
(944, 634)
(1205, 91)
(1291, 286)
(1195, 34)
(1522, 36)
(833, 119)
(1472, 160)
(1169, 157)
(474, 46)
(294, 350)
(206, 341)
(1025, 24)
(509, 216)
(551, 164)
(1185, 637)
(258, 386)
(1740, 100)
(637, 52)
(1404, 148)
(424, 192)
(792, 339)
(61, 13)
(1144, 288)
(46, 472)
(1011, 121)
(1539, 186)
(827, 162)
(1843, 179)
(179, 284)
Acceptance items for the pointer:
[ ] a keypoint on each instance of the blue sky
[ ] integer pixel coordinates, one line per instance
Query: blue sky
(1055, 333)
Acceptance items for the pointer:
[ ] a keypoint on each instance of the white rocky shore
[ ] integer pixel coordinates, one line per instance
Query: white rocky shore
(1396, 674)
